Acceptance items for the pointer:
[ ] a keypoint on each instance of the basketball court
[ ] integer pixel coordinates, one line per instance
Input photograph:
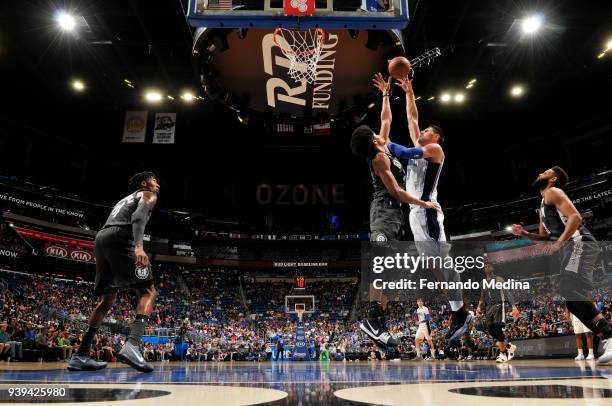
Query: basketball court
(299, 383)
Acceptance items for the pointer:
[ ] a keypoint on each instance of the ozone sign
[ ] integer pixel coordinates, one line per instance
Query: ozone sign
(249, 72)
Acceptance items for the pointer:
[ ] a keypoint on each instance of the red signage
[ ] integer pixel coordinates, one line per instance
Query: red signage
(299, 7)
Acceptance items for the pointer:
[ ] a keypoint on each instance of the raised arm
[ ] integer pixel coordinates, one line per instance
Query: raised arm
(411, 110)
(382, 168)
(385, 114)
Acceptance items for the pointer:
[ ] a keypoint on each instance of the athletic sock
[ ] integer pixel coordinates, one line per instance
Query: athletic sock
(456, 305)
(137, 329)
(591, 352)
(87, 340)
(602, 326)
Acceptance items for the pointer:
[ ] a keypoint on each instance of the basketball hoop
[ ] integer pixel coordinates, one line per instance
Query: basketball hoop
(303, 49)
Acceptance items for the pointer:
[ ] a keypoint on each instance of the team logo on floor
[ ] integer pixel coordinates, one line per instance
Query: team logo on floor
(142, 273)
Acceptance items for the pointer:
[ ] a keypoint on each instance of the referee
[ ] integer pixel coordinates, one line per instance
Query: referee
(495, 315)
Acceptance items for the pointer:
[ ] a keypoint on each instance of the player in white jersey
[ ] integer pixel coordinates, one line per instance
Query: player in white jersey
(423, 330)
(427, 226)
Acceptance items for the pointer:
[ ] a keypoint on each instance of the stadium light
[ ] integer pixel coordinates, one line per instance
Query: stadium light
(459, 98)
(445, 97)
(430, 98)
(187, 97)
(508, 228)
(609, 45)
(78, 85)
(517, 91)
(532, 24)
(66, 21)
(153, 96)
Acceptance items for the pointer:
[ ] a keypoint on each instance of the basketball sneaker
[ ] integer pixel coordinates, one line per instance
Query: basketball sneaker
(579, 357)
(590, 357)
(130, 354)
(511, 351)
(84, 363)
(501, 358)
(381, 337)
(460, 322)
(606, 357)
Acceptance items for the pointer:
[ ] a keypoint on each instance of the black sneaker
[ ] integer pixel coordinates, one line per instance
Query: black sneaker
(460, 322)
(380, 336)
(130, 354)
(84, 363)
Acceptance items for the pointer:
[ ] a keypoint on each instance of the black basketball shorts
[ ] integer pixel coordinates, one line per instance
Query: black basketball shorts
(386, 219)
(116, 263)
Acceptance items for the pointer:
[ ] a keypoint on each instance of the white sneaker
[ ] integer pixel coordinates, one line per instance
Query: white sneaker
(606, 357)
(511, 351)
(469, 358)
(580, 357)
(590, 357)
(501, 358)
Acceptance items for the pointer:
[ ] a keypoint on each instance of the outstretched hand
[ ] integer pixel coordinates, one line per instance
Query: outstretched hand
(405, 84)
(381, 84)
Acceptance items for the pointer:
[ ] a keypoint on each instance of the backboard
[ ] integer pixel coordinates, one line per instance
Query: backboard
(295, 303)
(338, 14)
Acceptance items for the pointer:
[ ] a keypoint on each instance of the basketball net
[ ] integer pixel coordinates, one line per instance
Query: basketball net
(300, 314)
(303, 49)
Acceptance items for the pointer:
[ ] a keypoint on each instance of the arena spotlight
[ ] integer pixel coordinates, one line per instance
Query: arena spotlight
(508, 228)
(153, 96)
(78, 85)
(430, 98)
(187, 97)
(445, 97)
(609, 45)
(532, 24)
(459, 98)
(517, 91)
(66, 21)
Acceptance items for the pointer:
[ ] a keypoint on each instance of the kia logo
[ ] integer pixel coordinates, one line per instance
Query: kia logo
(82, 256)
(55, 251)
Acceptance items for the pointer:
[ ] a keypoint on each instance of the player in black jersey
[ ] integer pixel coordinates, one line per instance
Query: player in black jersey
(388, 180)
(122, 264)
(493, 300)
(561, 224)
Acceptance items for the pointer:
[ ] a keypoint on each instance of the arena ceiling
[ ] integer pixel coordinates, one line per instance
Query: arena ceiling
(148, 43)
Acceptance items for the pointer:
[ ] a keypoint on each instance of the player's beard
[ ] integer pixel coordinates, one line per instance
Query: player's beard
(540, 183)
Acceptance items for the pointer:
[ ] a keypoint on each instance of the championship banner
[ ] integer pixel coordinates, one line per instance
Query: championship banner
(135, 127)
(165, 124)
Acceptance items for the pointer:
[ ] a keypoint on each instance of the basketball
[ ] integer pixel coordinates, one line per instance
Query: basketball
(399, 67)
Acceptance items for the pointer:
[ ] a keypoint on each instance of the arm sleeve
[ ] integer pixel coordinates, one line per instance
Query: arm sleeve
(139, 220)
(404, 153)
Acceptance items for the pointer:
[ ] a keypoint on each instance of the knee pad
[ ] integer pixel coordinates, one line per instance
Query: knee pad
(585, 312)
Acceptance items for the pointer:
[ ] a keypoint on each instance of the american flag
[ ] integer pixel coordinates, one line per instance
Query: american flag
(220, 4)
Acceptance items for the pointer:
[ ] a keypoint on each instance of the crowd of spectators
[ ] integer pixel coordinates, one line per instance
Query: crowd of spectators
(208, 316)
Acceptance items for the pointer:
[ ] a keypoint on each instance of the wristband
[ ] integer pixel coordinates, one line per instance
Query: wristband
(386, 94)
